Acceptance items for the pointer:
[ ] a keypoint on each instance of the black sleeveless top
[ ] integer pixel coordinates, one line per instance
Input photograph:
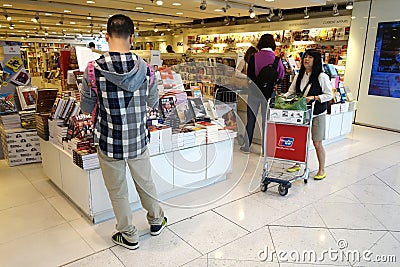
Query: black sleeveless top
(315, 90)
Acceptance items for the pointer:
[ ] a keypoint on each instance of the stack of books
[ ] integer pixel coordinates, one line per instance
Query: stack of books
(86, 159)
(211, 130)
(28, 119)
(11, 121)
(78, 144)
(42, 126)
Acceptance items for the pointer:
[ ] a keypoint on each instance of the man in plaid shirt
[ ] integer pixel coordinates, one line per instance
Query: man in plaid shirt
(125, 85)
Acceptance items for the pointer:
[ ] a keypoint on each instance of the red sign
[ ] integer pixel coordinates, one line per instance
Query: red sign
(288, 142)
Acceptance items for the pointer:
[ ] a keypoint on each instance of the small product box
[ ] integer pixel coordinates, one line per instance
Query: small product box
(288, 116)
(335, 108)
(344, 107)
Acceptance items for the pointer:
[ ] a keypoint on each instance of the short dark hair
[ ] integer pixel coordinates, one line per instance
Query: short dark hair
(120, 26)
(91, 44)
(251, 51)
(266, 41)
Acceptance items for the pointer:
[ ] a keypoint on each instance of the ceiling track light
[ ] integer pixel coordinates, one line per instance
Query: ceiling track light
(203, 5)
(271, 14)
(252, 14)
(226, 7)
(11, 27)
(36, 18)
(280, 15)
(8, 18)
(306, 16)
(335, 10)
(159, 2)
(349, 5)
(155, 29)
(256, 19)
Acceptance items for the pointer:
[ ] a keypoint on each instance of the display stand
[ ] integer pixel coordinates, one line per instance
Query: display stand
(175, 172)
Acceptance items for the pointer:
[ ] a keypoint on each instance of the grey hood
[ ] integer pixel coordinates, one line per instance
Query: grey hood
(114, 68)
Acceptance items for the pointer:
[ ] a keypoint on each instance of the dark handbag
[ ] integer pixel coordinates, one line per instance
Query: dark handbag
(292, 102)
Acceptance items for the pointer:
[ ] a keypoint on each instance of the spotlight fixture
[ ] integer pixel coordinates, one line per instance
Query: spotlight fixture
(36, 18)
(155, 29)
(159, 2)
(256, 19)
(280, 15)
(11, 27)
(227, 20)
(8, 18)
(335, 10)
(203, 5)
(306, 16)
(349, 4)
(168, 28)
(271, 14)
(252, 14)
(226, 7)
(61, 22)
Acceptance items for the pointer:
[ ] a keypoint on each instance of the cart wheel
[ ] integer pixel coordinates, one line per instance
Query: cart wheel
(305, 181)
(283, 190)
(263, 187)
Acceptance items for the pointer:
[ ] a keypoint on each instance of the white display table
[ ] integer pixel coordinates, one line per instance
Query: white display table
(175, 172)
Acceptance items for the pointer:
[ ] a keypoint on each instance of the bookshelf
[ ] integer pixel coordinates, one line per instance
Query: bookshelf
(40, 57)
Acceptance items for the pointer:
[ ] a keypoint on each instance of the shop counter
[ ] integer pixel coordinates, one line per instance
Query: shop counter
(175, 172)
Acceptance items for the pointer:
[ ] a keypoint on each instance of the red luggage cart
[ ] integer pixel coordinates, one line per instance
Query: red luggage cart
(287, 137)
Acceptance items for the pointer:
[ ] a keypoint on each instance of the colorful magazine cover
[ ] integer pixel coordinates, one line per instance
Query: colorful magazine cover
(21, 78)
(7, 103)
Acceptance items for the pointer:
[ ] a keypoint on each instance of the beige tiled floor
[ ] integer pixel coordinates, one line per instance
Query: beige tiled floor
(226, 224)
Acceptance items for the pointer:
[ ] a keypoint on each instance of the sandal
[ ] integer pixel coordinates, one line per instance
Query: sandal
(320, 177)
(294, 168)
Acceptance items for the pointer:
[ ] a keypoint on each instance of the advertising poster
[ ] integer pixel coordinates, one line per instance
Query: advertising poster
(385, 74)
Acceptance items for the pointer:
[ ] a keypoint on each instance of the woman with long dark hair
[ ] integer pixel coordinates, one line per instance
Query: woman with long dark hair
(316, 86)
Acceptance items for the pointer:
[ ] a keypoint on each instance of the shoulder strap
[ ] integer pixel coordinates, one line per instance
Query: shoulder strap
(92, 76)
(275, 65)
(93, 86)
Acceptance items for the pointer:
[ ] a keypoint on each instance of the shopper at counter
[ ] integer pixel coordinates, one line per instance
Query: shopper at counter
(315, 85)
(125, 86)
(266, 56)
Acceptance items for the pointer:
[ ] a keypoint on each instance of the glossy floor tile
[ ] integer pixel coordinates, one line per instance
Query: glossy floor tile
(55, 246)
(167, 249)
(199, 231)
(229, 223)
(103, 258)
(348, 216)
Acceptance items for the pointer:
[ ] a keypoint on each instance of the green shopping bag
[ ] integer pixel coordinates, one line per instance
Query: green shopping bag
(292, 102)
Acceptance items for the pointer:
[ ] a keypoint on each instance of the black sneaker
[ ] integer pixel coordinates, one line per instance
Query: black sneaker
(120, 240)
(157, 229)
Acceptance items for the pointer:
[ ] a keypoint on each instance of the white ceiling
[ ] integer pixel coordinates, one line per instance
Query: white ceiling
(144, 12)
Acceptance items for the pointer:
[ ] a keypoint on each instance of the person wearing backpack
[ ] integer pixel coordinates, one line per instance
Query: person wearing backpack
(265, 70)
(125, 85)
(316, 86)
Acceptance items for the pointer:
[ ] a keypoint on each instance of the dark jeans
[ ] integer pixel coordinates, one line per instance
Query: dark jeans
(253, 104)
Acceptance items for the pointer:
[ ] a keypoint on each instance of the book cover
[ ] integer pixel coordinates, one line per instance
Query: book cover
(21, 78)
(7, 103)
(185, 114)
(14, 63)
(46, 100)
(197, 107)
(27, 96)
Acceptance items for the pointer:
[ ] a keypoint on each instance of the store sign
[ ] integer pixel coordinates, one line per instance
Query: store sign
(12, 50)
(342, 21)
